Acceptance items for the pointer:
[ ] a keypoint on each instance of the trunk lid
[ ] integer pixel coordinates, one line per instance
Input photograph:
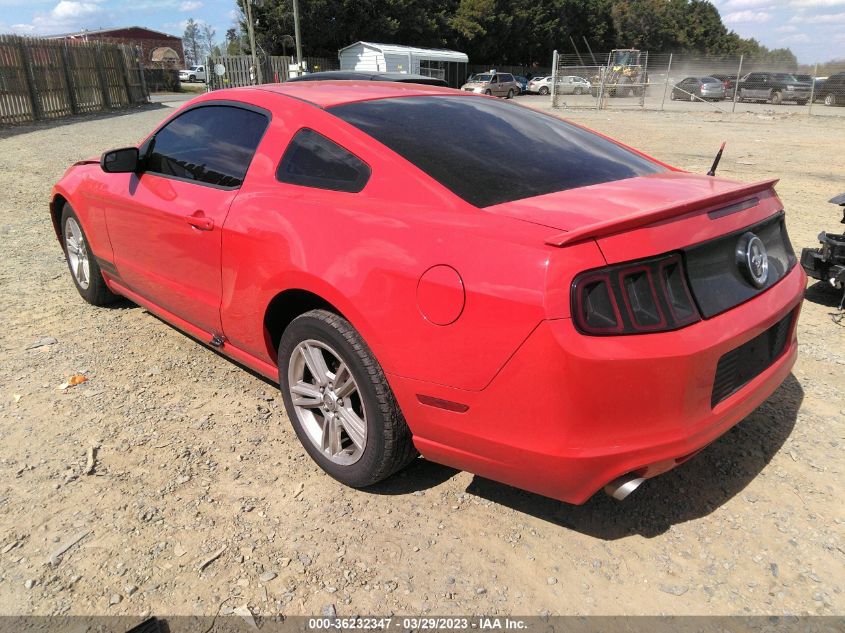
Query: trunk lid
(615, 207)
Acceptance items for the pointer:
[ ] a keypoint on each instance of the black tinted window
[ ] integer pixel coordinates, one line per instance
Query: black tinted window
(312, 160)
(487, 151)
(210, 144)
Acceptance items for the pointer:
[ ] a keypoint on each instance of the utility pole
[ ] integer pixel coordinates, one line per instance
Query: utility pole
(250, 30)
(296, 34)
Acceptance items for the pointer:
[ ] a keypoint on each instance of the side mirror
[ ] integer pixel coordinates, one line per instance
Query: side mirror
(120, 161)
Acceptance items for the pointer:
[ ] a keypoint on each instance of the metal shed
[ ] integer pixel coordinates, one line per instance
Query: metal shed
(450, 66)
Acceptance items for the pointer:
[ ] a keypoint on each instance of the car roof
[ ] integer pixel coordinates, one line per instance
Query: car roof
(351, 75)
(326, 94)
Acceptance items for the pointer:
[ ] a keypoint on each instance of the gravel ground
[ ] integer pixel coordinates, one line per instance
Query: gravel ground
(200, 498)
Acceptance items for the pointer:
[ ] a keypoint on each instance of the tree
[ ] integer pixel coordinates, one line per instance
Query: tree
(518, 32)
(206, 40)
(191, 42)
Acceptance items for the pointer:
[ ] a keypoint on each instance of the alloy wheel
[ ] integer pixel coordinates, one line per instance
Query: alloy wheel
(77, 253)
(327, 401)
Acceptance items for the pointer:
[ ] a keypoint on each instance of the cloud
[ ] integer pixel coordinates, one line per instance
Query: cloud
(747, 4)
(747, 16)
(787, 28)
(190, 5)
(798, 38)
(67, 15)
(828, 18)
(817, 3)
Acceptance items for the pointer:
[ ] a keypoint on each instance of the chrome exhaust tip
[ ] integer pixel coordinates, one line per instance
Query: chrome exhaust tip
(623, 486)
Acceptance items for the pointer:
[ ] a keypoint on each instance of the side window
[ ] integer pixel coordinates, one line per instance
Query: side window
(211, 144)
(495, 79)
(312, 160)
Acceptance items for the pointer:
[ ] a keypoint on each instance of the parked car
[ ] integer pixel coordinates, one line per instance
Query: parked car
(833, 90)
(427, 270)
(192, 74)
(493, 83)
(357, 75)
(540, 85)
(573, 85)
(774, 88)
(729, 82)
(698, 88)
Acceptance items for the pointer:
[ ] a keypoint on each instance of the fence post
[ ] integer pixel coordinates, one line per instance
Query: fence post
(813, 88)
(602, 76)
(553, 91)
(644, 80)
(101, 75)
(666, 84)
(29, 76)
(71, 89)
(124, 73)
(139, 61)
(736, 84)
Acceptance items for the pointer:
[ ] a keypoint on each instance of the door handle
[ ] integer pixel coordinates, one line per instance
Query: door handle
(198, 220)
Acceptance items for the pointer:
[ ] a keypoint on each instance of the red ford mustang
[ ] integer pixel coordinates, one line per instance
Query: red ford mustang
(434, 271)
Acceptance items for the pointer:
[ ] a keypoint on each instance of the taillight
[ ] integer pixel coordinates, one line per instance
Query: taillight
(638, 297)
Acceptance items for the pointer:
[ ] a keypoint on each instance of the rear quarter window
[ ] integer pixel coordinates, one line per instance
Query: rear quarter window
(312, 160)
(489, 152)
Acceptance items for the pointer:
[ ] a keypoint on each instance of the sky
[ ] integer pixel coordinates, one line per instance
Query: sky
(813, 29)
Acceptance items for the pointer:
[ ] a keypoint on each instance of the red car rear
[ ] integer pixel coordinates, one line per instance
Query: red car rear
(428, 270)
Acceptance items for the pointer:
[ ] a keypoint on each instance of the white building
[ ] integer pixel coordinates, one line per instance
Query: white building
(431, 62)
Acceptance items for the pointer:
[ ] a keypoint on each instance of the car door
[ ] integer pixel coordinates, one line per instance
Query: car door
(165, 225)
(495, 86)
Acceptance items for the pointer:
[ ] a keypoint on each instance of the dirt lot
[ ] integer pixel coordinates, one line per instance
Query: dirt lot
(196, 455)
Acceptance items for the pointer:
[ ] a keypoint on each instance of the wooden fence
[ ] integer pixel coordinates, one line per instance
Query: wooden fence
(49, 79)
(274, 69)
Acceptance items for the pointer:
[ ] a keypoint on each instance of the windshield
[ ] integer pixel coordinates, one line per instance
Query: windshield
(783, 77)
(480, 78)
(461, 142)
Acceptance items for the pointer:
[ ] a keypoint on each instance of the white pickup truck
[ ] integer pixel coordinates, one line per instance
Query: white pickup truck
(194, 73)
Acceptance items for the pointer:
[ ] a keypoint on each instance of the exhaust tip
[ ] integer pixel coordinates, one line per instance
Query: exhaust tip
(620, 488)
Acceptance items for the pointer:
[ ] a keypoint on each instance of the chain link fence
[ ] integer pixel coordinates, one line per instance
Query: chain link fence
(630, 79)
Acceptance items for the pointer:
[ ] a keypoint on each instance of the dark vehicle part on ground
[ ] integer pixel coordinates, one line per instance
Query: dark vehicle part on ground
(357, 75)
(827, 263)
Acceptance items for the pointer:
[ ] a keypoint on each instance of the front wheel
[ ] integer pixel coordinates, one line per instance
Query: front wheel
(830, 100)
(192, 79)
(578, 91)
(339, 402)
(83, 266)
(544, 90)
(510, 94)
(776, 98)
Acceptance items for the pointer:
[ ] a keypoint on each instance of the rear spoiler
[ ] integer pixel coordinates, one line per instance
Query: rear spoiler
(650, 216)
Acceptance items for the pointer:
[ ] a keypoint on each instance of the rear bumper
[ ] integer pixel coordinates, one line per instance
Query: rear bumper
(570, 413)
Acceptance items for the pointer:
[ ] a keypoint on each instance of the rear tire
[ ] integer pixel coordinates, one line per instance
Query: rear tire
(830, 100)
(84, 270)
(353, 428)
(578, 92)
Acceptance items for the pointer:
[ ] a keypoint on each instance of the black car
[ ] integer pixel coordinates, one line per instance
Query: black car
(774, 88)
(357, 75)
(832, 91)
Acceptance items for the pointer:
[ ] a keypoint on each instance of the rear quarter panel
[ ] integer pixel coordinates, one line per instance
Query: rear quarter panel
(365, 254)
